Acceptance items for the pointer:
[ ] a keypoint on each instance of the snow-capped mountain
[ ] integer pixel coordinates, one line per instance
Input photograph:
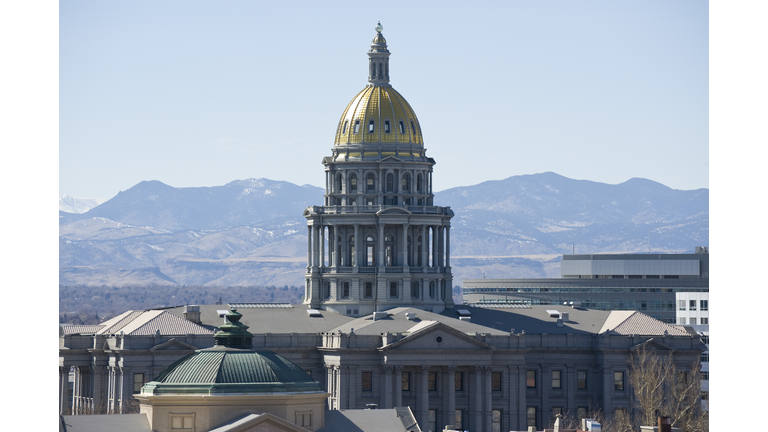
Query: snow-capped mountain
(72, 204)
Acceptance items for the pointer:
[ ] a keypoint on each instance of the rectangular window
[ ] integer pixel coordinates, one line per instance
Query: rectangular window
(346, 122)
(458, 381)
(367, 381)
(432, 381)
(693, 321)
(386, 126)
(496, 421)
(182, 422)
(370, 126)
(704, 305)
(581, 379)
(556, 411)
(530, 379)
(692, 305)
(433, 420)
(458, 418)
(393, 289)
(345, 290)
(705, 339)
(556, 382)
(357, 126)
(705, 357)
(704, 321)
(405, 381)
(368, 289)
(618, 381)
(681, 304)
(138, 382)
(495, 381)
(353, 185)
(581, 412)
(530, 416)
(705, 375)
(402, 127)
(705, 395)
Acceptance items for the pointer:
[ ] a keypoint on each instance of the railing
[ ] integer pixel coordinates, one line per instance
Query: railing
(387, 269)
(393, 269)
(437, 210)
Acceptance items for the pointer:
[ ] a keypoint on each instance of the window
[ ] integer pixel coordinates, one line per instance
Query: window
(496, 421)
(705, 375)
(406, 183)
(386, 126)
(693, 321)
(530, 414)
(530, 379)
(393, 289)
(556, 411)
(458, 381)
(345, 290)
(357, 126)
(581, 379)
(681, 304)
(402, 127)
(344, 130)
(367, 381)
(704, 305)
(705, 357)
(370, 126)
(618, 381)
(369, 289)
(704, 320)
(705, 339)
(432, 381)
(185, 422)
(458, 417)
(556, 380)
(620, 413)
(581, 412)
(304, 418)
(705, 395)
(433, 420)
(405, 381)
(138, 382)
(495, 381)
(413, 128)
(415, 290)
(370, 185)
(692, 305)
(353, 183)
(390, 182)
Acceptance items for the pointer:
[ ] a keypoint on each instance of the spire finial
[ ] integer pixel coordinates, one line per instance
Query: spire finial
(379, 28)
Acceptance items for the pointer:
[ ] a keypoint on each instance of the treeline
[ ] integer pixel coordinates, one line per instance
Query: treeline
(83, 304)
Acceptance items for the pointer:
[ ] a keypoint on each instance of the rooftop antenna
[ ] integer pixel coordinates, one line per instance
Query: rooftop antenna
(483, 274)
(574, 249)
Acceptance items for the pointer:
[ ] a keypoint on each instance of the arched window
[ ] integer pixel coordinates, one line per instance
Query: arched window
(402, 127)
(390, 182)
(386, 126)
(418, 183)
(373, 69)
(351, 259)
(380, 74)
(389, 251)
(357, 126)
(371, 127)
(406, 182)
(370, 183)
(339, 182)
(418, 251)
(353, 183)
(370, 252)
(344, 130)
(413, 128)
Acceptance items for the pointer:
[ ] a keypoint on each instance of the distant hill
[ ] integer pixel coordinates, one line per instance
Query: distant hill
(70, 204)
(251, 232)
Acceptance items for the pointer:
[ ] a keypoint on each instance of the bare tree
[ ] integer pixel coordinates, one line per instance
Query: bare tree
(661, 389)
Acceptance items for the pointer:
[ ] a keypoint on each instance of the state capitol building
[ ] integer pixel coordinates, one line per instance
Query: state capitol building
(378, 325)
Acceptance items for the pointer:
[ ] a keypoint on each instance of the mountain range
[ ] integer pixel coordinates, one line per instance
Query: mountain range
(251, 232)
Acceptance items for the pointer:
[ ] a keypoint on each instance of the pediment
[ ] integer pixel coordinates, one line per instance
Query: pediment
(393, 211)
(437, 336)
(260, 423)
(652, 345)
(173, 345)
(390, 159)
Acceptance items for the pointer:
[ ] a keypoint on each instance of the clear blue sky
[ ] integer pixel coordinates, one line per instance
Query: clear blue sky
(198, 93)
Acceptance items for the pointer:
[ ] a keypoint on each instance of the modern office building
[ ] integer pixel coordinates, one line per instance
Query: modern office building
(378, 326)
(642, 282)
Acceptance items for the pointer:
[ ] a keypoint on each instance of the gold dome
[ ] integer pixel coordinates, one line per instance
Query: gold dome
(379, 114)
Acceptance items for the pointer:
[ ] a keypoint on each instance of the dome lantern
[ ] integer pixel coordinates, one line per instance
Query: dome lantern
(378, 60)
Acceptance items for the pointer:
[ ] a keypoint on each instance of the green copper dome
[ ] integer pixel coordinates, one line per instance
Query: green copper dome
(227, 370)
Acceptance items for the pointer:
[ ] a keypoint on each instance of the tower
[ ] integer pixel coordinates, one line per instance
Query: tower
(378, 242)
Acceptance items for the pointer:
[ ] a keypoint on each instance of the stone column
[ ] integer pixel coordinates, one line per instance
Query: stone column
(322, 246)
(487, 411)
(405, 248)
(450, 417)
(513, 386)
(522, 413)
(96, 387)
(342, 387)
(356, 259)
(424, 398)
(309, 245)
(570, 382)
(381, 261)
(424, 247)
(448, 246)
(546, 388)
(387, 387)
(351, 378)
(478, 399)
(607, 390)
(63, 391)
(440, 246)
(398, 386)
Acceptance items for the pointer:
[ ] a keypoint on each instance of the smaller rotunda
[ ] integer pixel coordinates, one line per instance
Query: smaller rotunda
(228, 382)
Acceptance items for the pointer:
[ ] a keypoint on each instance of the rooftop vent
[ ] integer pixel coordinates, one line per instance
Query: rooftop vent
(553, 313)
(464, 312)
(314, 313)
(222, 312)
(379, 315)
(410, 315)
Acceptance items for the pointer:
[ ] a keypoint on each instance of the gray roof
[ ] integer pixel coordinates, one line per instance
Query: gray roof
(376, 420)
(272, 320)
(107, 423)
(149, 322)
